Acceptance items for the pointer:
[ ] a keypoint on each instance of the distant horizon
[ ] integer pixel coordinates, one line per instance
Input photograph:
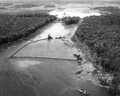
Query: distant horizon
(13, 1)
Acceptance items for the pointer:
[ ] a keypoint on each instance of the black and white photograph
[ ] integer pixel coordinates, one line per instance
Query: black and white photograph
(59, 47)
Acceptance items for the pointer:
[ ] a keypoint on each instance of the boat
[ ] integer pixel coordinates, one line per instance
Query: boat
(83, 92)
(49, 37)
(78, 57)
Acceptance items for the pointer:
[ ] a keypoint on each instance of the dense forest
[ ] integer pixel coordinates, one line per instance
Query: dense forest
(14, 27)
(108, 9)
(102, 35)
(70, 20)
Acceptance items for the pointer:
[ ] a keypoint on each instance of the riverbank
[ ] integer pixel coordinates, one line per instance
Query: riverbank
(100, 37)
(14, 27)
(89, 70)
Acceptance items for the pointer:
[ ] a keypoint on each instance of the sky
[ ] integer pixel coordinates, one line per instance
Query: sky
(50, 0)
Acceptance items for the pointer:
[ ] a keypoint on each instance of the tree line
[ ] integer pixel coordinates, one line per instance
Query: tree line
(102, 35)
(70, 20)
(14, 27)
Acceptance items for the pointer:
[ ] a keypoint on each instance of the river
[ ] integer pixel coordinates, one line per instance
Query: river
(47, 67)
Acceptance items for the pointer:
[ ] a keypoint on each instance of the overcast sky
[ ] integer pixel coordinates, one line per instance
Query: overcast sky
(51, 0)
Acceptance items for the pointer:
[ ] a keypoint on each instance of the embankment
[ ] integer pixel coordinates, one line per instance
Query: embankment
(99, 38)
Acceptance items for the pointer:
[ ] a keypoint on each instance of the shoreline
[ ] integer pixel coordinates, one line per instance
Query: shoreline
(91, 60)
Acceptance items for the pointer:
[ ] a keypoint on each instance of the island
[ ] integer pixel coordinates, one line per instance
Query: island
(17, 26)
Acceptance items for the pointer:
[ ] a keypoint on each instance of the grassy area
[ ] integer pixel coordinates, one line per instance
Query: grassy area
(102, 35)
(14, 27)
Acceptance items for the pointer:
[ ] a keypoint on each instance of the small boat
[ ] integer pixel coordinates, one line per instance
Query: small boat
(78, 57)
(49, 37)
(83, 92)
